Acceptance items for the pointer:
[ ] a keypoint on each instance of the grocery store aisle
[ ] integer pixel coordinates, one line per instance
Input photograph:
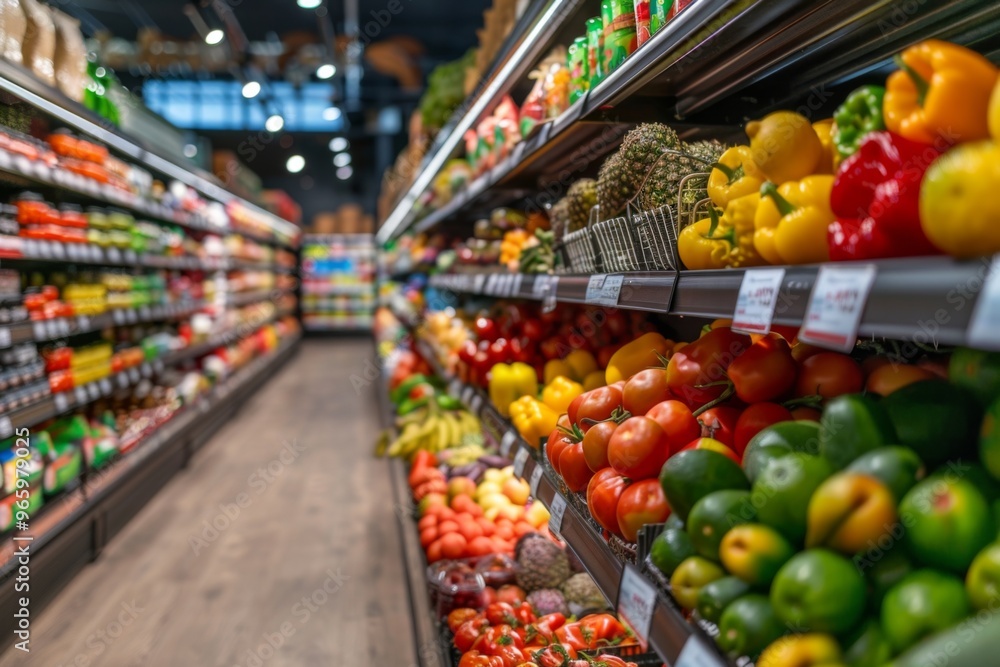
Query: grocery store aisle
(304, 554)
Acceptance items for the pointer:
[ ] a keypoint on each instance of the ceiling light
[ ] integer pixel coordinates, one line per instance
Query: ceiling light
(190, 150)
(345, 173)
(310, 4)
(338, 144)
(251, 89)
(274, 123)
(214, 36)
(331, 113)
(295, 164)
(325, 71)
(342, 159)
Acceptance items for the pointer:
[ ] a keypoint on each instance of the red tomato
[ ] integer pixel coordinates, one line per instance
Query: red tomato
(703, 362)
(713, 445)
(638, 448)
(720, 423)
(459, 616)
(764, 371)
(595, 445)
(677, 422)
(573, 468)
(644, 390)
(829, 374)
(500, 352)
(469, 632)
(532, 328)
(499, 613)
(486, 329)
(596, 405)
(556, 443)
(641, 503)
(603, 492)
(616, 323)
(554, 347)
(755, 419)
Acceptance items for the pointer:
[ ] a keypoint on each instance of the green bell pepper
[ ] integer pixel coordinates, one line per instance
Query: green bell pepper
(860, 114)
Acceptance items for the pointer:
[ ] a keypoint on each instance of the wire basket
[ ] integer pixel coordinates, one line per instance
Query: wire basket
(579, 252)
(623, 551)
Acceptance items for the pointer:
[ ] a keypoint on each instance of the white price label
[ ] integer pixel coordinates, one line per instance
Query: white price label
(52, 328)
(123, 380)
(479, 280)
(985, 320)
(476, 404)
(467, 394)
(556, 514)
(550, 298)
(520, 459)
(131, 257)
(146, 370)
(158, 366)
(515, 284)
(38, 329)
(72, 252)
(604, 290)
(80, 394)
(536, 477)
(118, 316)
(59, 251)
(62, 402)
(506, 442)
(835, 306)
(756, 300)
(45, 249)
(4, 337)
(63, 326)
(114, 255)
(133, 375)
(130, 316)
(540, 287)
(93, 391)
(83, 323)
(696, 653)
(455, 387)
(491, 284)
(105, 386)
(6, 428)
(636, 601)
(145, 314)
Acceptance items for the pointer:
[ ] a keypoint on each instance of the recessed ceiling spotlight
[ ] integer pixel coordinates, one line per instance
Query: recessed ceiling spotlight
(251, 89)
(331, 113)
(295, 164)
(342, 159)
(325, 71)
(214, 37)
(274, 123)
(190, 150)
(338, 144)
(345, 173)
(310, 4)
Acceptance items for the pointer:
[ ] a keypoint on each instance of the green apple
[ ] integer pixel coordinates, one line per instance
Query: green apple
(925, 602)
(690, 576)
(819, 591)
(782, 492)
(982, 583)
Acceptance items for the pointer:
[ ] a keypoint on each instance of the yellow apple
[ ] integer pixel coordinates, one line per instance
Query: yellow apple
(517, 490)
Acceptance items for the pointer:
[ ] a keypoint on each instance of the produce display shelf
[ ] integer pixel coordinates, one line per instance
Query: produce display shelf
(62, 327)
(73, 506)
(927, 299)
(38, 173)
(340, 290)
(774, 52)
(22, 84)
(256, 296)
(54, 405)
(669, 632)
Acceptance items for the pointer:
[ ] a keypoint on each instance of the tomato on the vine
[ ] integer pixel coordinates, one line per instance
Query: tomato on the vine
(704, 362)
(469, 632)
(755, 419)
(595, 405)
(573, 467)
(720, 423)
(595, 445)
(603, 493)
(764, 371)
(459, 616)
(641, 503)
(638, 448)
(677, 421)
(829, 374)
(499, 613)
(477, 659)
(645, 389)
(557, 442)
(485, 328)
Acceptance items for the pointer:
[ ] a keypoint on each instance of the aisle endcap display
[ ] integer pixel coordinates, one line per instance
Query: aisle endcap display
(338, 282)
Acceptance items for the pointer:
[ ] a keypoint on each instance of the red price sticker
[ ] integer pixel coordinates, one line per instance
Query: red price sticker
(756, 300)
(835, 306)
(636, 601)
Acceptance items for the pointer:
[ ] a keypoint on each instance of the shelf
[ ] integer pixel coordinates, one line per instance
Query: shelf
(22, 84)
(923, 299)
(706, 72)
(57, 515)
(246, 298)
(669, 631)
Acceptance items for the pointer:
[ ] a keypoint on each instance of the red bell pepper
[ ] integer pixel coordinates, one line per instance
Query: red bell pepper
(876, 197)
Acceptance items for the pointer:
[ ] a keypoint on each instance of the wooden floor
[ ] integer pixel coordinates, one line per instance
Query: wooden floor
(311, 563)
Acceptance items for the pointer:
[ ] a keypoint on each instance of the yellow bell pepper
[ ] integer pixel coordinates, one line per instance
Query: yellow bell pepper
(533, 419)
(508, 382)
(828, 162)
(555, 368)
(594, 380)
(734, 175)
(792, 220)
(942, 90)
(740, 214)
(581, 364)
(559, 393)
(701, 247)
(644, 352)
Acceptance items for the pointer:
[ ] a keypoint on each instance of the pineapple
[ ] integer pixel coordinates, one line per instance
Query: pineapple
(580, 198)
(624, 173)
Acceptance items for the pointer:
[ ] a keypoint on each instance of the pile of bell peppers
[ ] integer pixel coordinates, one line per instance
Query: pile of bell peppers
(900, 170)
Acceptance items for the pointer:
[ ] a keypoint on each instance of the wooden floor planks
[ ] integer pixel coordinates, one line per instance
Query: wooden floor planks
(327, 509)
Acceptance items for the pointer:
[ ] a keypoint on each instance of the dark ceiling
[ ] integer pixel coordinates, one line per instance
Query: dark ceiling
(445, 29)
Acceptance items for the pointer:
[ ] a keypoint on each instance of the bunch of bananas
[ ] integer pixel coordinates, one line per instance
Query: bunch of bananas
(431, 429)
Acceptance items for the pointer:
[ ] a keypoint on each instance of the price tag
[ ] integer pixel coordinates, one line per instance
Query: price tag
(4, 337)
(467, 394)
(59, 251)
(491, 282)
(146, 370)
(38, 329)
(520, 459)
(536, 477)
(696, 653)
(83, 323)
(96, 254)
(64, 328)
(72, 252)
(158, 366)
(756, 300)
(506, 442)
(550, 298)
(114, 255)
(133, 375)
(118, 315)
(556, 514)
(477, 403)
(131, 257)
(540, 287)
(45, 249)
(6, 428)
(122, 380)
(985, 320)
(105, 386)
(62, 402)
(835, 306)
(478, 281)
(93, 391)
(636, 601)
(131, 317)
(80, 394)
(52, 328)
(144, 314)
(455, 387)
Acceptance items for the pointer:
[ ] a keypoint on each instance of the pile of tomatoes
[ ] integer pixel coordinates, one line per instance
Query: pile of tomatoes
(509, 634)
(715, 393)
